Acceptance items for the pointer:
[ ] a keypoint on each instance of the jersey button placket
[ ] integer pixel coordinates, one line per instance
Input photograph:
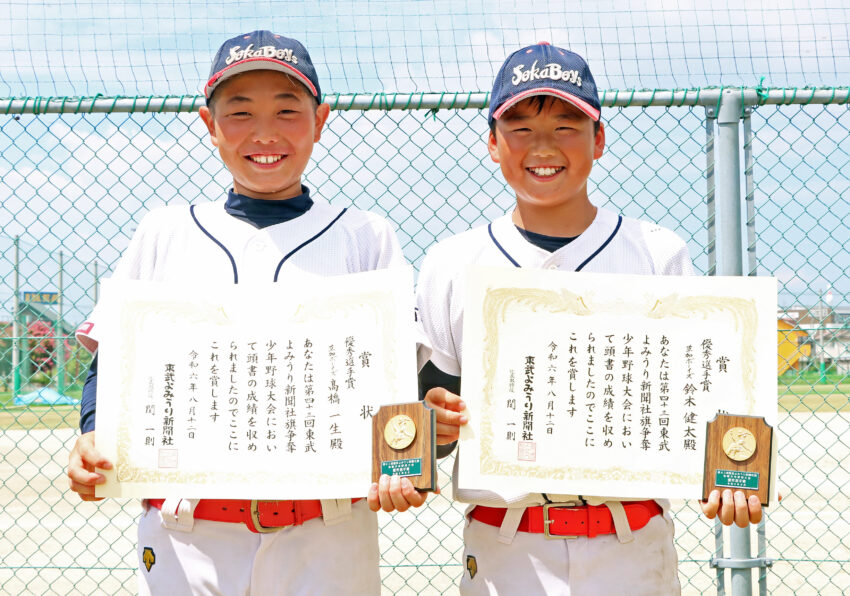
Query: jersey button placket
(256, 246)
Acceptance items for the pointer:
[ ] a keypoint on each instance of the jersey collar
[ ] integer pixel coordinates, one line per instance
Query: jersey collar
(567, 258)
(262, 213)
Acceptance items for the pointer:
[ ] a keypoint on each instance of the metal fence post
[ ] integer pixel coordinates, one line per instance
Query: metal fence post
(59, 334)
(710, 206)
(730, 262)
(752, 264)
(720, 572)
(752, 259)
(16, 326)
(728, 186)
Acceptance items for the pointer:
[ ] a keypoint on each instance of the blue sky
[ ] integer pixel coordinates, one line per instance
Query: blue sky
(81, 182)
(72, 47)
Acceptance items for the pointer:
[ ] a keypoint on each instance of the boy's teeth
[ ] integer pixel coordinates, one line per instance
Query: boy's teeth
(544, 171)
(266, 159)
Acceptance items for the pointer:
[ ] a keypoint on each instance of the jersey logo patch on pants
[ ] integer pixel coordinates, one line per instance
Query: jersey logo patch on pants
(472, 566)
(148, 558)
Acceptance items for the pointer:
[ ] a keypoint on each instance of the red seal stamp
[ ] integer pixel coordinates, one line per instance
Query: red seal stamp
(527, 451)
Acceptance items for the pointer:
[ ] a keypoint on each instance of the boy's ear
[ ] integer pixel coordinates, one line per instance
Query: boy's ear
(599, 142)
(493, 147)
(207, 117)
(323, 110)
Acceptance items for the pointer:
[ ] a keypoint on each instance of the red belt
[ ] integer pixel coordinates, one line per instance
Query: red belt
(259, 516)
(558, 520)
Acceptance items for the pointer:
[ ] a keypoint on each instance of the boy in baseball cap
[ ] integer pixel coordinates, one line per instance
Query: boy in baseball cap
(263, 50)
(264, 114)
(545, 134)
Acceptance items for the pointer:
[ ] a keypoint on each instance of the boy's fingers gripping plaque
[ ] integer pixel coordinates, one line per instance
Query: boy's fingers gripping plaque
(738, 453)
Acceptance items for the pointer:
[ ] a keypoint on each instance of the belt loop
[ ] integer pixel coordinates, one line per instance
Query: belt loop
(510, 524)
(621, 521)
(297, 513)
(179, 514)
(335, 511)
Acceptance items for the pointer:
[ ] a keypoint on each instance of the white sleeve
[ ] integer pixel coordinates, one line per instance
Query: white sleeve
(378, 245)
(679, 262)
(139, 255)
(378, 248)
(668, 251)
(440, 318)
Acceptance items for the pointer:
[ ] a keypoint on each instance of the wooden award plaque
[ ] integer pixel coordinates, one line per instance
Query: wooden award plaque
(404, 443)
(738, 453)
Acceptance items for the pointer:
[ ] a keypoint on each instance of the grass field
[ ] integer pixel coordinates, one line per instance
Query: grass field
(14, 417)
(814, 398)
(6, 400)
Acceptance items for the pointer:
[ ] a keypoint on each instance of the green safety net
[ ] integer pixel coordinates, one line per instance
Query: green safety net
(97, 127)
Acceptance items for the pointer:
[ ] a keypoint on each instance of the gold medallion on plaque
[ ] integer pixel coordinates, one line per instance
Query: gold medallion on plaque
(404, 443)
(738, 452)
(739, 443)
(400, 431)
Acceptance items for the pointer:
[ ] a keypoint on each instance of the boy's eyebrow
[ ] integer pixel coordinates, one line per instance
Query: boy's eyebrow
(286, 95)
(571, 116)
(245, 99)
(516, 116)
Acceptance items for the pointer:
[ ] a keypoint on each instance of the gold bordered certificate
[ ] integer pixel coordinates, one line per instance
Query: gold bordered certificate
(257, 391)
(600, 384)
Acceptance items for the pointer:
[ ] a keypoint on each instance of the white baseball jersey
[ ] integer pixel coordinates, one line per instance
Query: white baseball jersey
(509, 562)
(611, 244)
(204, 243)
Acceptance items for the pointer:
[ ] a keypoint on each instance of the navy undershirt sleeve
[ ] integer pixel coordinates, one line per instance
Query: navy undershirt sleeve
(429, 377)
(88, 402)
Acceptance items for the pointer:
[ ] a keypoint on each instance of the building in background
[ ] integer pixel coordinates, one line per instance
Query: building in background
(816, 337)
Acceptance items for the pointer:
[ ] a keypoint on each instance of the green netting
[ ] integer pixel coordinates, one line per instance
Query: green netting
(78, 183)
(97, 128)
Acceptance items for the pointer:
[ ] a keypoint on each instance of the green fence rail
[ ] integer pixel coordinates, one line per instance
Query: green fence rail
(78, 173)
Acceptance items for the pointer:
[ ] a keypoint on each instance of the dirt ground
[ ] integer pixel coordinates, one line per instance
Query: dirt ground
(52, 543)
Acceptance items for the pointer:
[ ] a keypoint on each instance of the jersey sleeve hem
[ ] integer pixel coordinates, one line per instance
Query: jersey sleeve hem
(445, 363)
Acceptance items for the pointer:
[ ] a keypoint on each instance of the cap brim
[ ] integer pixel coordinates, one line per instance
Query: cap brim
(582, 105)
(257, 64)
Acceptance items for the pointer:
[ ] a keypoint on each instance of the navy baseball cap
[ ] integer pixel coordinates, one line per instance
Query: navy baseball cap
(544, 69)
(263, 50)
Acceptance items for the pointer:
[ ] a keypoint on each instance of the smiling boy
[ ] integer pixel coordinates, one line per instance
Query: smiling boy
(264, 114)
(545, 134)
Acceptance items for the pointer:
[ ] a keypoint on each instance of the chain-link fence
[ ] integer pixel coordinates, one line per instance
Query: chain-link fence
(77, 184)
